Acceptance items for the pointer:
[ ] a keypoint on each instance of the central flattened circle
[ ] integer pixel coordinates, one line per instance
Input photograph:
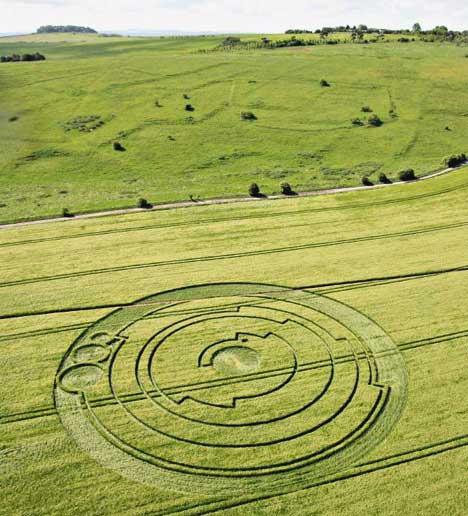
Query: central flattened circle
(236, 360)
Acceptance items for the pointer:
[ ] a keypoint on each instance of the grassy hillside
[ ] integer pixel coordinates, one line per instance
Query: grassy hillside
(395, 257)
(91, 91)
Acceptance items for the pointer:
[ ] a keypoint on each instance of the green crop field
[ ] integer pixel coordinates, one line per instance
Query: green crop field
(59, 118)
(299, 356)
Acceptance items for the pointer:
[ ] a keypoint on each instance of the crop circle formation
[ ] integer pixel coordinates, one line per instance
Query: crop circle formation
(232, 387)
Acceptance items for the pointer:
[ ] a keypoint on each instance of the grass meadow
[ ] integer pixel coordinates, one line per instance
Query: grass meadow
(396, 256)
(59, 118)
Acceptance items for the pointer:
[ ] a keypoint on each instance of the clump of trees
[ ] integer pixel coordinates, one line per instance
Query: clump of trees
(231, 41)
(47, 29)
(455, 160)
(407, 175)
(16, 58)
(299, 31)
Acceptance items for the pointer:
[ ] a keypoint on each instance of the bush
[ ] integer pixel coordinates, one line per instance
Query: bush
(357, 121)
(374, 121)
(455, 160)
(254, 190)
(384, 179)
(189, 107)
(324, 83)
(13, 118)
(366, 109)
(367, 182)
(286, 189)
(407, 175)
(248, 115)
(66, 213)
(143, 203)
(118, 147)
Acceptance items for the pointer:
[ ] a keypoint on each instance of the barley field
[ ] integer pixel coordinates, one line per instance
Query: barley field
(298, 356)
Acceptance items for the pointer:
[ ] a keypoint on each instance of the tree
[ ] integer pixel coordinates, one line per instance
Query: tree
(407, 175)
(286, 189)
(144, 204)
(363, 28)
(374, 121)
(248, 115)
(417, 28)
(254, 190)
(384, 179)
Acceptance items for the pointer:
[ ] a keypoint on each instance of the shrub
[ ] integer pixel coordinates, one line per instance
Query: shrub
(366, 109)
(384, 179)
(118, 147)
(13, 118)
(324, 83)
(189, 107)
(374, 121)
(366, 181)
(186, 97)
(254, 190)
(286, 189)
(407, 175)
(66, 213)
(357, 121)
(455, 160)
(143, 203)
(248, 115)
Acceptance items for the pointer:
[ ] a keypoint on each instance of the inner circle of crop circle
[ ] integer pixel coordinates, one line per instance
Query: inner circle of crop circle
(236, 360)
(231, 387)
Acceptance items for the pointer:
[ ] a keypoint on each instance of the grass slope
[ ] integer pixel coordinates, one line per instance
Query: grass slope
(135, 86)
(397, 255)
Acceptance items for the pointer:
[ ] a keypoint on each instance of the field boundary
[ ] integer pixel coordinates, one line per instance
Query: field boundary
(226, 200)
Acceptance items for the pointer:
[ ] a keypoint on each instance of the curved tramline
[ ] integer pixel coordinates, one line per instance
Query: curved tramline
(231, 387)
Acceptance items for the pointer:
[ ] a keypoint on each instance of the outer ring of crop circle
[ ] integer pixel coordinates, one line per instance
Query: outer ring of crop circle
(391, 373)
